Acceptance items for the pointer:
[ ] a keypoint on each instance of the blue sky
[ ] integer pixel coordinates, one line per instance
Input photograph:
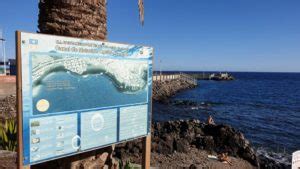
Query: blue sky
(231, 35)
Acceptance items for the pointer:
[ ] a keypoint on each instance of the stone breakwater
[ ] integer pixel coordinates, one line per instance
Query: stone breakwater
(162, 90)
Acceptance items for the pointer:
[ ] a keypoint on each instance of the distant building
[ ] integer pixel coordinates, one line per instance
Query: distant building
(2, 67)
(12, 66)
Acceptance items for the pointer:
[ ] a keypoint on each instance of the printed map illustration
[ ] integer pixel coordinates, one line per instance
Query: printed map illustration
(63, 83)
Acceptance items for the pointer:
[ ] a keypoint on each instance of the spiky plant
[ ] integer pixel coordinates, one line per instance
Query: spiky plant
(128, 165)
(8, 135)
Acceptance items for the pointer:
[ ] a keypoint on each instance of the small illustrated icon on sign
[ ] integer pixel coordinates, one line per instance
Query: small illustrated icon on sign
(33, 41)
(42, 105)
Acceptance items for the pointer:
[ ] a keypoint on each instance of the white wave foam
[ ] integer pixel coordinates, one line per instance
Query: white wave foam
(282, 158)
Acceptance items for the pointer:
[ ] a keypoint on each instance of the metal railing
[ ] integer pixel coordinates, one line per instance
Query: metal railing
(180, 76)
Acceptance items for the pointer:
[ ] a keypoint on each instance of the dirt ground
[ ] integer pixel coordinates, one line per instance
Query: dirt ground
(7, 86)
(193, 159)
(199, 159)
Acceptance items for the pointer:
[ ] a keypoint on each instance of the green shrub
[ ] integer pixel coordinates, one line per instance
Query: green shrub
(8, 135)
(128, 165)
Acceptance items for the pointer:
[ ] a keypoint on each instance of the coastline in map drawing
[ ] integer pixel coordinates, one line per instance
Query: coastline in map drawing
(83, 82)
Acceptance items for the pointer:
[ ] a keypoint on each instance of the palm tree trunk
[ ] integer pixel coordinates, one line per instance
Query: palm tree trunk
(75, 18)
(81, 19)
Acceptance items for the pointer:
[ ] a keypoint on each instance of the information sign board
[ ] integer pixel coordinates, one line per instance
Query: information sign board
(78, 95)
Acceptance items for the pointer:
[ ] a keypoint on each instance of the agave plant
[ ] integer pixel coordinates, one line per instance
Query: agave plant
(8, 135)
(128, 165)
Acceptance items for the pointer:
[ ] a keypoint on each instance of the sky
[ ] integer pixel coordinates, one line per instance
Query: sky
(195, 35)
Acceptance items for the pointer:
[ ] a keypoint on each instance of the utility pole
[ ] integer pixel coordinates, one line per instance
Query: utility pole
(3, 52)
(160, 67)
(4, 55)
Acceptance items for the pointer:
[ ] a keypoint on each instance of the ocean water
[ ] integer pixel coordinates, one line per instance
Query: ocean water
(63, 83)
(92, 91)
(264, 106)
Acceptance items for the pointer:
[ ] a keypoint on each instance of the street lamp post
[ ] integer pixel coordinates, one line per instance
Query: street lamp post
(3, 50)
(160, 67)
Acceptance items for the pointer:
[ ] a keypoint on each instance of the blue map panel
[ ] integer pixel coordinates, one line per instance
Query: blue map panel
(133, 121)
(98, 128)
(52, 136)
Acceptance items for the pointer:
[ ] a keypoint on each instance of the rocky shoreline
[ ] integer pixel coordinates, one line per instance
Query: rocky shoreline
(235, 144)
(186, 135)
(183, 136)
(175, 144)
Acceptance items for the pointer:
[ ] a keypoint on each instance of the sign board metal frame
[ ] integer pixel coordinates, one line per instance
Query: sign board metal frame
(146, 138)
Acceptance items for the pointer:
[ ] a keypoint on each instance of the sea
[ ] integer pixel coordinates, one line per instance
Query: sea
(263, 106)
(77, 92)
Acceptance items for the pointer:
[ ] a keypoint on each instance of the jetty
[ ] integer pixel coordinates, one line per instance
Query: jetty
(167, 85)
(181, 76)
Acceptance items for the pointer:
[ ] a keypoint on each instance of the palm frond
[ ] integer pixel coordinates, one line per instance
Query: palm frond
(141, 10)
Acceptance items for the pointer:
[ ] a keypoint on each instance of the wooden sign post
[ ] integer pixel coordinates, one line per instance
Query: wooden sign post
(19, 105)
(146, 152)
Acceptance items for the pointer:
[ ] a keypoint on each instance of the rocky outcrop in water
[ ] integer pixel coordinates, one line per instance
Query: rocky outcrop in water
(221, 76)
(213, 76)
